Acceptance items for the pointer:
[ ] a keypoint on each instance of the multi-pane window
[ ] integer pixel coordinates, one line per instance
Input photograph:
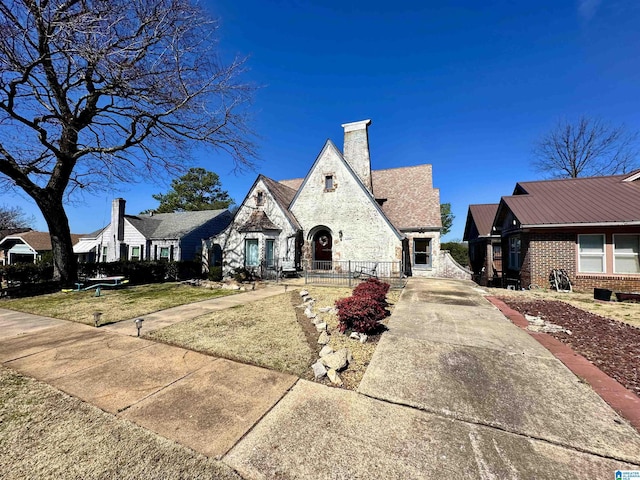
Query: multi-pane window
(260, 198)
(625, 253)
(270, 253)
(514, 252)
(164, 253)
(105, 250)
(135, 253)
(591, 253)
(422, 252)
(251, 252)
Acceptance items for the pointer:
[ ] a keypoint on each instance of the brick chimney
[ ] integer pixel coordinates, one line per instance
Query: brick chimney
(117, 219)
(356, 150)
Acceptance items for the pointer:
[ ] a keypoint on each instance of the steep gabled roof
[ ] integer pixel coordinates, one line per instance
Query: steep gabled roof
(283, 195)
(293, 183)
(411, 201)
(330, 146)
(587, 201)
(482, 216)
(176, 225)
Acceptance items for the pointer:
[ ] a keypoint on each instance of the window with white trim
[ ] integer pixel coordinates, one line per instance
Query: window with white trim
(251, 252)
(105, 250)
(591, 256)
(625, 253)
(164, 253)
(135, 254)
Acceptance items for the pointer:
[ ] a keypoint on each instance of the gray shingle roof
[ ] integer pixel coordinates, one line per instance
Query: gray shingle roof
(411, 200)
(175, 225)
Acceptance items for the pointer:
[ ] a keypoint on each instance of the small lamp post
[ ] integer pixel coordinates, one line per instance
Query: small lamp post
(138, 322)
(96, 318)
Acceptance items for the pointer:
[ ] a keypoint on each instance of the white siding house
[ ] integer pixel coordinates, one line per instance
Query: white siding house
(164, 236)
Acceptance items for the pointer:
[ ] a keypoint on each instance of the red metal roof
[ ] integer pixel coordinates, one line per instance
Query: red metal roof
(588, 200)
(483, 216)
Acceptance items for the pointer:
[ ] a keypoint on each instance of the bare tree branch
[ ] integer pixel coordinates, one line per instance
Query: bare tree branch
(586, 148)
(93, 89)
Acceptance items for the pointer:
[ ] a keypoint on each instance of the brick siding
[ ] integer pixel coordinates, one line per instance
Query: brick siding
(543, 252)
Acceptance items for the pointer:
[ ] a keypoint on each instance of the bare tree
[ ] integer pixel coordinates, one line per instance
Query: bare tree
(586, 148)
(13, 218)
(100, 91)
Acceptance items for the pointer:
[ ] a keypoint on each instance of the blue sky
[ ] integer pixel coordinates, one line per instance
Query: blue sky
(466, 86)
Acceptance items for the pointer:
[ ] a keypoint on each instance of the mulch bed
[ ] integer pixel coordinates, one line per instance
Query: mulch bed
(613, 346)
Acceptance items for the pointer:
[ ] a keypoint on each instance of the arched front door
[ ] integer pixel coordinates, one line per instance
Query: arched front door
(322, 244)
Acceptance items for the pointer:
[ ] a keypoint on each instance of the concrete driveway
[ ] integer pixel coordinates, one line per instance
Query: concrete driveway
(454, 390)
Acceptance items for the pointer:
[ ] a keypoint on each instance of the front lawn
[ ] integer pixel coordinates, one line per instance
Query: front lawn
(264, 333)
(45, 433)
(115, 305)
(274, 333)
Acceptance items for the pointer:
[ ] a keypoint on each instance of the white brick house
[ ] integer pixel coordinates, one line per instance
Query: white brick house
(341, 210)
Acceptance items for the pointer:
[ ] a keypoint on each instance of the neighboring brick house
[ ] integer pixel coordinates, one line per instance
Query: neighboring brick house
(589, 227)
(341, 211)
(163, 236)
(485, 250)
(27, 247)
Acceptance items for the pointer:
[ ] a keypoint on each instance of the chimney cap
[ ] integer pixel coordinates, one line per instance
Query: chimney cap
(361, 125)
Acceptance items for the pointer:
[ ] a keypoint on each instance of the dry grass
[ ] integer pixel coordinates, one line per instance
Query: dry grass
(621, 311)
(46, 434)
(115, 305)
(264, 333)
(267, 333)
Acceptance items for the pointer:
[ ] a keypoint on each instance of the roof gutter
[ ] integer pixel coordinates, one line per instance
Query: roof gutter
(592, 224)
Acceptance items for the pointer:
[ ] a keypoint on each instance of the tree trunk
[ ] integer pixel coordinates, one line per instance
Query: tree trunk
(65, 268)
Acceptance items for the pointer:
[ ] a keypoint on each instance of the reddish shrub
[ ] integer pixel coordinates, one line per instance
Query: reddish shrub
(359, 313)
(373, 288)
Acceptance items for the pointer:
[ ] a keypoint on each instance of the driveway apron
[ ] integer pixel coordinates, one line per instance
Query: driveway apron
(454, 390)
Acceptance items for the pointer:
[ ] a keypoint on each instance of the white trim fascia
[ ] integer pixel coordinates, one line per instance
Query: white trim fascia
(330, 145)
(586, 224)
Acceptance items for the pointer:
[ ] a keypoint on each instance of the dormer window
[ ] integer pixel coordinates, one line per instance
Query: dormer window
(260, 198)
(329, 183)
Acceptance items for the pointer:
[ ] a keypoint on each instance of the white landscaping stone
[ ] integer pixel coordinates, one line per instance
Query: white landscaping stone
(323, 339)
(363, 338)
(318, 370)
(317, 320)
(336, 360)
(303, 293)
(326, 350)
(355, 335)
(334, 377)
(321, 327)
(325, 309)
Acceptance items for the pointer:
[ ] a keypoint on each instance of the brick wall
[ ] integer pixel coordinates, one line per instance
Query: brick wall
(615, 283)
(545, 251)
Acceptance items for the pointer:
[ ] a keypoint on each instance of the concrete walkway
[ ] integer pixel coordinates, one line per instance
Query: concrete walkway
(203, 402)
(454, 390)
